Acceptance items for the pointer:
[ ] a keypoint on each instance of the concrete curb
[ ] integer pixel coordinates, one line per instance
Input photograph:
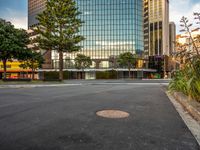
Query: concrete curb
(183, 100)
(192, 124)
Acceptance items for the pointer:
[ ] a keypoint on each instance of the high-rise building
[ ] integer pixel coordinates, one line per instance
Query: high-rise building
(34, 8)
(156, 27)
(111, 27)
(172, 38)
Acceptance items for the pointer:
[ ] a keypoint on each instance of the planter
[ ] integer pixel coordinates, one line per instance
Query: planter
(192, 106)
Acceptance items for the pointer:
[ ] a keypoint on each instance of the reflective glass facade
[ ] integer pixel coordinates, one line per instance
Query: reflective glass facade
(34, 7)
(156, 27)
(111, 27)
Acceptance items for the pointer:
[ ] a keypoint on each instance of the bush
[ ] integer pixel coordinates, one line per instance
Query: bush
(179, 83)
(54, 75)
(106, 75)
(51, 75)
(188, 80)
(66, 75)
(193, 83)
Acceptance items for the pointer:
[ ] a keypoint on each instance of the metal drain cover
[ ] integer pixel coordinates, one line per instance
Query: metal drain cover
(113, 114)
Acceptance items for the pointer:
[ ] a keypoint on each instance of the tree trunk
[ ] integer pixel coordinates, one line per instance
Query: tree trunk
(33, 73)
(4, 68)
(129, 72)
(61, 65)
(82, 74)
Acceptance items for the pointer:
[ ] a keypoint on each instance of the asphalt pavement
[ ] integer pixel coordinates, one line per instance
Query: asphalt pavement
(64, 118)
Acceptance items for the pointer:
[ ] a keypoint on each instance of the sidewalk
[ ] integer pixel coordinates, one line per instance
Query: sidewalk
(192, 124)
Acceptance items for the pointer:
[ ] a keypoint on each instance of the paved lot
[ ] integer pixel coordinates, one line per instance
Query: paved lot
(63, 118)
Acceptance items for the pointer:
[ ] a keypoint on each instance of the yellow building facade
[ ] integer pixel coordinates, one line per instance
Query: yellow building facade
(14, 70)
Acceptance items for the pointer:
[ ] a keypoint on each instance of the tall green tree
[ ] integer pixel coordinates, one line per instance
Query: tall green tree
(33, 61)
(13, 43)
(59, 28)
(127, 60)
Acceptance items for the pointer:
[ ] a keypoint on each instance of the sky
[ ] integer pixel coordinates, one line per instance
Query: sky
(16, 11)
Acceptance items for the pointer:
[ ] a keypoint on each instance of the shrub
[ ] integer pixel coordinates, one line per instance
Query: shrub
(179, 83)
(106, 75)
(54, 75)
(188, 80)
(193, 83)
(66, 75)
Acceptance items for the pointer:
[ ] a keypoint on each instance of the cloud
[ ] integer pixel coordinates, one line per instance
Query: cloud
(179, 8)
(17, 18)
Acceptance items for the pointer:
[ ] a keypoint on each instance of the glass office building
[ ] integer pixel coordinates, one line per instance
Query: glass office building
(34, 8)
(111, 27)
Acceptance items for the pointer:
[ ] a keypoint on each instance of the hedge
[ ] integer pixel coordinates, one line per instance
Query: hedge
(106, 74)
(54, 75)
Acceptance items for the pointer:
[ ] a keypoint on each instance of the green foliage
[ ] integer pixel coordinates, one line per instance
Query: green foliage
(54, 75)
(106, 75)
(59, 28)
(187, 80)
(82, 62)
(193, 75)
(33, 60)
(13, 43)
(51, 75)
(127, 60)
(179, 83)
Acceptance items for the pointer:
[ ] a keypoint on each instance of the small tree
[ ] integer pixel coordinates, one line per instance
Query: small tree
(82, 62)
(33, 61)
(186, 27)
(128, 60)
(13, 43)
(59, 27)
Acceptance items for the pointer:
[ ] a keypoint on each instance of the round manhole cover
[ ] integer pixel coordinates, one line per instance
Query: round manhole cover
(112, 114)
